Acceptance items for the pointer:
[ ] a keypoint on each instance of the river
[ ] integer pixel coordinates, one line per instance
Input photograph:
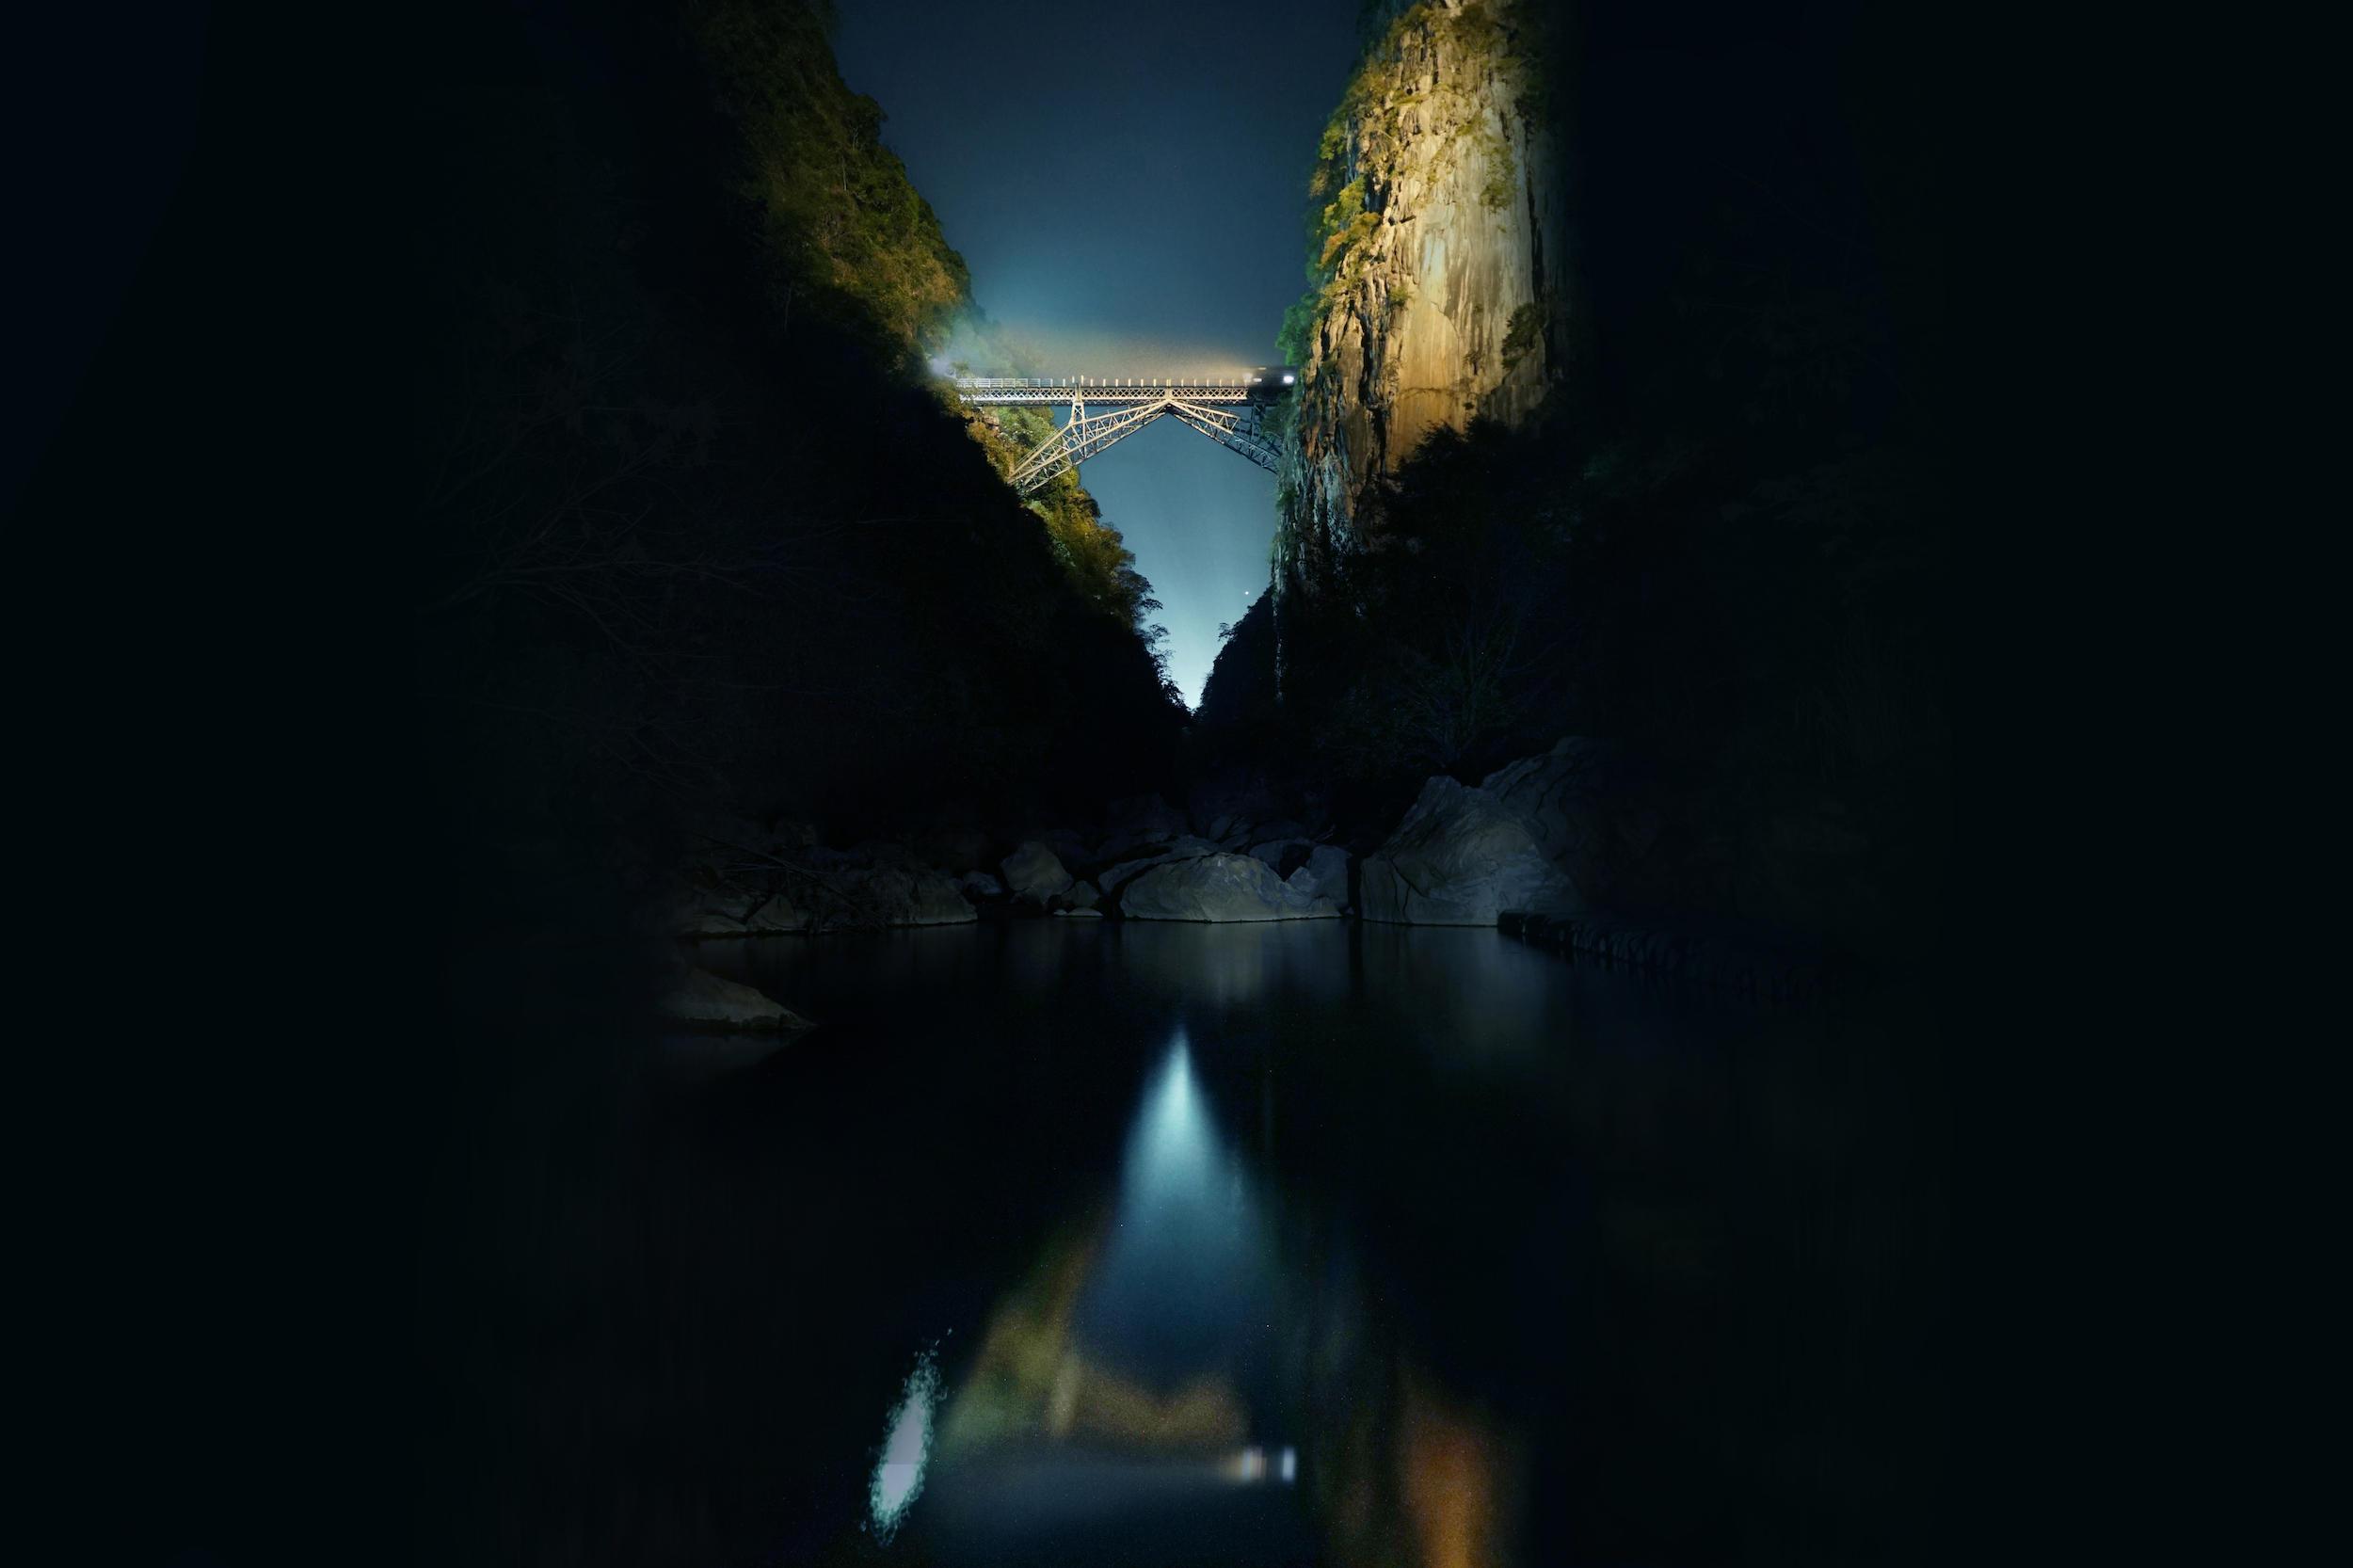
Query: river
(1076, 1241)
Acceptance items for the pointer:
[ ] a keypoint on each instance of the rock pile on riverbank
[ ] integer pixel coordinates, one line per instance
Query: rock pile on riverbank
(1548, 847)
(704, 1001)
(1143, 860)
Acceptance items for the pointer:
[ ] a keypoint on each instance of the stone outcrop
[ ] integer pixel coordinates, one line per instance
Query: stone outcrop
(1324, 874)
(1443, 264)
(1462, 858)
(706, 1002)
(1035, 873)
(1219, 887)
(1186, 848)
(912, 895)
(734, 891)
(1558, 797)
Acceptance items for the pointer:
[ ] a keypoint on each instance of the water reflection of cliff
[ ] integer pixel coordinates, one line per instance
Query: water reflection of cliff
(1127, 1375)
(1033, 1382)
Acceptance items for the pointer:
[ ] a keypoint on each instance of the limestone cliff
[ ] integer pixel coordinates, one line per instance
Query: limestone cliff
(1438, 252)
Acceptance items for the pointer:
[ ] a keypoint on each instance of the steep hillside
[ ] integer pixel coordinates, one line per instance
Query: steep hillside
(1673, 496)
(700, 527)
(1439, 256)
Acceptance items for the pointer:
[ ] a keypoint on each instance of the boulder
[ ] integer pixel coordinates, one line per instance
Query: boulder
(1284, 855)
(1462, 858)
(729, 901)
(1186, 848)
(978, 886)
(1035, 872)
(1079, 914)
(1558, 798)
(774, 915)
(1218, 888)
(728, 910)
(707, 1002)
(1081, 895)
(918, 895)
(1324, 873)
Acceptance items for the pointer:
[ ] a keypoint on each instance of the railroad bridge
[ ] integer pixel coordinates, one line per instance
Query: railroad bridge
(1228, 409)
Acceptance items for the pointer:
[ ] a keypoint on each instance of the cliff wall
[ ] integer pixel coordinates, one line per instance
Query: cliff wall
(1438, 254)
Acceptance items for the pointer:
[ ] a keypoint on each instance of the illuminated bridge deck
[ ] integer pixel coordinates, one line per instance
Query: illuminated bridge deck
(1226, 409)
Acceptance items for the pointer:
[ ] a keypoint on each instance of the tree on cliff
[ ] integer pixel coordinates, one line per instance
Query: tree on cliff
(1717, 537)
(698, 520)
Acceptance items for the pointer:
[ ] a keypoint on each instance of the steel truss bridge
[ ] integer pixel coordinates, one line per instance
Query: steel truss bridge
(1228, 411)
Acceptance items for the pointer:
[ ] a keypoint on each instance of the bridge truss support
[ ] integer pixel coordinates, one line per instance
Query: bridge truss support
(1228, 413)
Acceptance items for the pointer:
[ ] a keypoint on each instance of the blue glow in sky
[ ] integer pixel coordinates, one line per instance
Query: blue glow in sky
(1128, 186)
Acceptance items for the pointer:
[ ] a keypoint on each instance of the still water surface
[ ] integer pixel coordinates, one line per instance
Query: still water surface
(1069, 1242)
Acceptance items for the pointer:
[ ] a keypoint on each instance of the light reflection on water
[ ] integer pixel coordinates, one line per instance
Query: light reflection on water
(906, 1450)
(1182, 1281)
(1130, 1373)
(1391, 1214)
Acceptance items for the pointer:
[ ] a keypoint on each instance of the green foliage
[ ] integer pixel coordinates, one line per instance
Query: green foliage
(1300, 322)
(1356, 152)
(1503, 176)
(1094, 557)
(1424, 711)
(1526, 329)
(665, 562)
(846, 235)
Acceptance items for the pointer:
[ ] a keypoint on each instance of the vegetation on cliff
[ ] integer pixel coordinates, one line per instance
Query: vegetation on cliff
(1716, 538)
(1389, 108)
(1094, 555)
(698, 525)
(844, 236)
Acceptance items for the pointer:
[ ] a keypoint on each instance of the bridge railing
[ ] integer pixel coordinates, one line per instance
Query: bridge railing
(1226, 408)
(1104, 383)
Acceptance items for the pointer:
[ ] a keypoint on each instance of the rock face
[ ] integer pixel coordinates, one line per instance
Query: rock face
(707, 1002)
(916, 895)
(1186, 848)
(1035, 872)
(735, 893)
(1444, 252)
(775, 915)
(1324, 875)
(1462, 858)
(1558, 798)
(1219, 887)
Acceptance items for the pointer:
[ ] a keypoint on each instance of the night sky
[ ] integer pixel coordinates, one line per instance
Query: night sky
(1127, 187)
